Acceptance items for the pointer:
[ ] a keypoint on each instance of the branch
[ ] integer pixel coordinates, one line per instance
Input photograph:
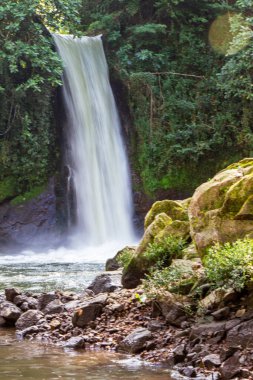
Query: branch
(173, 73)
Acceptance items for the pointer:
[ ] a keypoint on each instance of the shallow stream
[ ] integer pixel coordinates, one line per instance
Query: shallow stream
(31, 360)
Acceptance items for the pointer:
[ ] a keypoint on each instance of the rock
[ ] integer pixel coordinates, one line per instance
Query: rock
(30, 223)
(55, 324)
(189, 371)
(242, 335)
(9, 312)
(230, 368)
(45, 298)
(72, 305)
(211, 361)
(207, 330)
(213, 376)
(11, 293)
(139, 265)
(216, 297)
(54, 307)
(112, 264)
(28, 319)
(89, 310)
(221, 209)
(136, 341)
(176, 210)
(179, 353)
(75, 342)
(173, 311)
(240, 313)
(221, 313)
(21, 334)
(106, 282)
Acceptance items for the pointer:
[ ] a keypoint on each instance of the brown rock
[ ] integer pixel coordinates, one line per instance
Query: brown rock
(89, 310)
(28, 319)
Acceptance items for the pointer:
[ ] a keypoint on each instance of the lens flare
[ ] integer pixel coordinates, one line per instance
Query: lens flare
(229, 33)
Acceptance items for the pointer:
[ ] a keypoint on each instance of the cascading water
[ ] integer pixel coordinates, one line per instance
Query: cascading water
(97, 158)
(97, 166)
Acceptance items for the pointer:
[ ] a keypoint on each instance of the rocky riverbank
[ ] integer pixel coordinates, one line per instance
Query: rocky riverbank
(216, 345)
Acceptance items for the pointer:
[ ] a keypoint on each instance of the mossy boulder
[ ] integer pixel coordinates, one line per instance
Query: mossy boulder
(8, 189)
(139, 265)
(176, 210)
(221, 209)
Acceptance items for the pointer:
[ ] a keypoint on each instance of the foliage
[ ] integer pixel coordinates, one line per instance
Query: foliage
(163, 251)
(27, 195)
(29, 70)
(173, 279)
(7, 189)
(230, 265)
(189, 104)
(124, 258)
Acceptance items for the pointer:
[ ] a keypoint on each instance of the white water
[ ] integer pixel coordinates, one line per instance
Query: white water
(97, 156)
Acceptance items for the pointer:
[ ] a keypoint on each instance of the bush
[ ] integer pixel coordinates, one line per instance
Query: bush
(173, 279)
(163, 251)
(124, 258)
(230, 265)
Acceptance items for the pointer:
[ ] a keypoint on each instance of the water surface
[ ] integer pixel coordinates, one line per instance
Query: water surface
(31, 360)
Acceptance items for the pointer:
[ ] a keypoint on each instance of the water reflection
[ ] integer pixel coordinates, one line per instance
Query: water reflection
(30, 360)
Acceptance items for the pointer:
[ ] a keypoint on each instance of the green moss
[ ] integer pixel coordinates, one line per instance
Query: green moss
(22, 198)
(7, 189)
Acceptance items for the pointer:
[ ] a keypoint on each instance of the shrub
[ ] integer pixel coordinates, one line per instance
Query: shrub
(124, 258)
(163, 251)
(173, 279)
(230, 265)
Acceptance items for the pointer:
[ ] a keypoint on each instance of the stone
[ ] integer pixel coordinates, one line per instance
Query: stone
(211, 361)
(45, 298)
(189, 371)
(221, 209)
(106, 282)
(112, 264)
(9, 312)
(28, 319)
(139, 265)
(136, 341)
(173, 311)
(230, 368)
(31, 223)
(19, 299)
(240, 313)
(54, 307)
(207, 330)
(21, 334)
(11, 293)
(75, 342)
(216, 297)
(213, 376)
(221, 313)
(72, 305)
(241, 335)
(89, 310)
(179, 353)
(176, 210)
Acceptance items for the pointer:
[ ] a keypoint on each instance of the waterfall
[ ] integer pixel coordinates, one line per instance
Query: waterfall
(97, 158)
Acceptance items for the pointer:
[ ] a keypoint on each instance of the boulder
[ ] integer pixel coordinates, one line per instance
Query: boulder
(217, 298)
(231, 367)
(28, 319)
(139, 265)
(176, 210)
(106, 282)
(89, 310)
(54, 307)
(221, 209)
(46, 298)
(112, 264)
(211, 361)
(136, 341)
(241, 335)
(171, 308)
(11, 293)
(9, 312)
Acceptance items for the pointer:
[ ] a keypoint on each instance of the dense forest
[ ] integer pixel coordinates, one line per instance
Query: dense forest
(182, 73)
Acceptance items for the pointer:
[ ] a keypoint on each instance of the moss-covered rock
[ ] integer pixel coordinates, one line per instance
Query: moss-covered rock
(221, 209)
(176, 210)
